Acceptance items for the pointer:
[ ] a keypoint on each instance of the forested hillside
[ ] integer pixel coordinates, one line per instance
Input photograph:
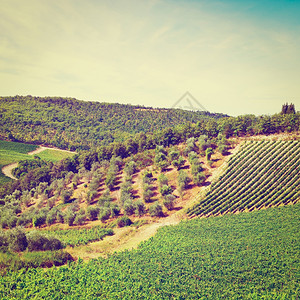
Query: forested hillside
(72, 124)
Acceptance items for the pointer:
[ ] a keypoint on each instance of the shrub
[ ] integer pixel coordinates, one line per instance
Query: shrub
(17, 240)
(39, 242)
(39, 220)
(114, 210)
(3, 242)
(165, 190)
(104, 214)
(183, 180)
(199, 178)
(162, 179)
(124, 221)
(140, 208)
(66, 196)
(155, 210)
(130, 168)
(129, 207)
(169, 201)
(147, 192)
(69, 217)
(92, 212)
(178, 163)
(80, 219)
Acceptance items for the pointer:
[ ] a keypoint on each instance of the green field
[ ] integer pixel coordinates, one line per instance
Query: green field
(12, 152)
(81, 236)
(246, 256)
(54, 155)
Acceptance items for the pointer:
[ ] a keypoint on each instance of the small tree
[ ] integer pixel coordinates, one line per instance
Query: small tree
(155, 210)
(129, 207)
(124, 221)
(199, 178)
(17, 240)
(69, 217)
(183, 181)
(179, 163)
(92, 212)
(162, 179)
(169, 201)
(165, 190)
(140, 208)
(208, 153)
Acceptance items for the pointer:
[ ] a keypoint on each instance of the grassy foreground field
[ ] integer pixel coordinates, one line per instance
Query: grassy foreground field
(245, 256)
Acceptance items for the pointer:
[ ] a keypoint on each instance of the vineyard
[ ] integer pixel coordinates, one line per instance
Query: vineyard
(261, 175)
(244, 256)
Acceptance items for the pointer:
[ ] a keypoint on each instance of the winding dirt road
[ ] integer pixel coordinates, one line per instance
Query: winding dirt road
(7, 170)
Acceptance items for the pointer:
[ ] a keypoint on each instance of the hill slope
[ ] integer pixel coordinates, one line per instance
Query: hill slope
(260, 175)
(70, 123)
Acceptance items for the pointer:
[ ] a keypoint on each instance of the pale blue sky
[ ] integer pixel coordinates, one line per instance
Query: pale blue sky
(235, 57)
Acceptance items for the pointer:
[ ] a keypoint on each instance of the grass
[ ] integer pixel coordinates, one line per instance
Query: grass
(54, 155)
(12, 152)
(17, 147)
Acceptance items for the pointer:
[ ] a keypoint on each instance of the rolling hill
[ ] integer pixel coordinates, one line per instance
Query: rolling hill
(237, 178)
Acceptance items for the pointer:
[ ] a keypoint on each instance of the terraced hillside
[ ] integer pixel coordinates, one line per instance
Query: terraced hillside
(262, 174)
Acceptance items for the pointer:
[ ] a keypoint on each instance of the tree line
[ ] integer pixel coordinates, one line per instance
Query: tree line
(227, 127)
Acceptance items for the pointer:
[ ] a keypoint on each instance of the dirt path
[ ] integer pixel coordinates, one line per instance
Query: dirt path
(7, 170)
(123, 238)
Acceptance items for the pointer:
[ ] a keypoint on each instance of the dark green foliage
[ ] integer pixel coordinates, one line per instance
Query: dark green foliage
(130, 168)
(3, 242)
(183, 180)
(147, 192)
(288, 109)
(155, 210)
(169, 201)
(39, 242)
(199, 178)
(129, 207)
(124, 221)
(140, 208)
(92, 213)
(39, 220)
(165, 190)
(208, 153)
(69, 217)
(162, 179)
(178, 163)
(161, 161)
(16, 239)
(66, 196)
(104, 214)
(114, 210)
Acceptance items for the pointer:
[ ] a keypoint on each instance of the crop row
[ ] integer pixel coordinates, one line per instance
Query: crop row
(261, 174)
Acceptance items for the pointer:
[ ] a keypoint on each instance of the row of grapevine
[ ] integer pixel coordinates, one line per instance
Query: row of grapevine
(262, 174)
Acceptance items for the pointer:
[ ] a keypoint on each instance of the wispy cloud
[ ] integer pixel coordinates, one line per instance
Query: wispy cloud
(149, 52)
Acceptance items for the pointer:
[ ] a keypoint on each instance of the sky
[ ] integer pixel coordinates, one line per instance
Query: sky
(234, 57)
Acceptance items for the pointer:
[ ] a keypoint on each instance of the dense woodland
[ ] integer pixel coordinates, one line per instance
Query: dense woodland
(72, 124)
